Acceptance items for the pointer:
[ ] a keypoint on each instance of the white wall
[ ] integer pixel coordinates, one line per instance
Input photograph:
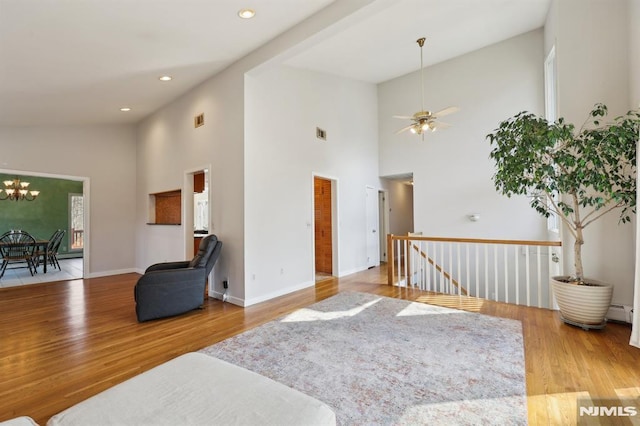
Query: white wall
(283, 108)
(592, 50)
(400, 200)
(104, 154)
(634, 52)
(452, 170)
(169, 146)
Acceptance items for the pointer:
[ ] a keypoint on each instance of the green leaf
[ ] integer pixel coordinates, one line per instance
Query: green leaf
(593, 168)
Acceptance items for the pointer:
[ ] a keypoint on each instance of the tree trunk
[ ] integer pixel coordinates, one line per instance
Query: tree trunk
(577, 253)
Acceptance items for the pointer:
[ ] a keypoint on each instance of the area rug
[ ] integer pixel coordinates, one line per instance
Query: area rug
(378, 360)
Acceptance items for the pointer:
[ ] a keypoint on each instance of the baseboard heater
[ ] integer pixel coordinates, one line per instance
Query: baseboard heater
(620, 313)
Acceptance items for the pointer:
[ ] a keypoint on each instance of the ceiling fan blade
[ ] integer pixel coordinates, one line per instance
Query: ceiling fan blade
(403, 117)
(446, 111)
(439, 125)
(404, 129)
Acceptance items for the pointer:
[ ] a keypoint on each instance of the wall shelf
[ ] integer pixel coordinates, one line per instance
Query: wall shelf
(165, 208)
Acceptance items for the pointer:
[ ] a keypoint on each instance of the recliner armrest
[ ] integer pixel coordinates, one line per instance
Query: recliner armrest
(184, 276)
(168, 265)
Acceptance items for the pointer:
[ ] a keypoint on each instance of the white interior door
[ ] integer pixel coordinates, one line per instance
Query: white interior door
(373, 231)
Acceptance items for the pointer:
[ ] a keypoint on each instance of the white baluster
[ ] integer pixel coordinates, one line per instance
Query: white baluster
(539, 278)
(486, 271)
(495, 272)
(506, 273)
(516, 254)
(399, 261)
(468, 283)
(528, 275)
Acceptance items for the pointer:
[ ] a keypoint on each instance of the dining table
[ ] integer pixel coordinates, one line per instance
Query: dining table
(40, 246)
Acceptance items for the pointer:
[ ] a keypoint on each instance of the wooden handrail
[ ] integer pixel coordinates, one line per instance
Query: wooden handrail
(476, 240)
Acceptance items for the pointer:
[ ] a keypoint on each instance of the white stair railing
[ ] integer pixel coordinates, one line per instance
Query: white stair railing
(511, 271)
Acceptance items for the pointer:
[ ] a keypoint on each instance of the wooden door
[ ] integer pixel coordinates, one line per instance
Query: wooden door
(323, 226)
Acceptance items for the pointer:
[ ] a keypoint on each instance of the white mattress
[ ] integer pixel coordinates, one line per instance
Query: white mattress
(197, 389)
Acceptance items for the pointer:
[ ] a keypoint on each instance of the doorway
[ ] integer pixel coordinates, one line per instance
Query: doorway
(383, 217)
(323, 226)
(197, 209)
(373, 227)
(67, 200)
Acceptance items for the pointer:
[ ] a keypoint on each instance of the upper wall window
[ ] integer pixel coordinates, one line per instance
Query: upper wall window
(551, 114)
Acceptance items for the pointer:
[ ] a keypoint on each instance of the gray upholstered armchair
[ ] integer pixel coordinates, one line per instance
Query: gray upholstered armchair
(173, 288)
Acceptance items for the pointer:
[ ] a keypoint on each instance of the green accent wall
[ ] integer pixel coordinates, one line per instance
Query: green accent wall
(43, 216)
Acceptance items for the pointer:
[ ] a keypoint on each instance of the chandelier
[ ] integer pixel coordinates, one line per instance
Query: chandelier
(15, 190)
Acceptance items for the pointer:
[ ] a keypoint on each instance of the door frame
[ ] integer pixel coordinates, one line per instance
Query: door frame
(335, 237)
(383, 207)
(375, 193)
(86, 193)
(188, 209)
(188, 213)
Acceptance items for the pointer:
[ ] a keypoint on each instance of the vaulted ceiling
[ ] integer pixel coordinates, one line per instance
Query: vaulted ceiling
(72, 62)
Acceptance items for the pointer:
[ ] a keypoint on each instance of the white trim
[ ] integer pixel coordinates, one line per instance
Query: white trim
(369, 189)
(272, 295)
(384, 208)
(232, 299)
(635, 327)
(352, 271)
(86, 192)
(187, 211)
(86, 242)
(335, 234)
(113, 272)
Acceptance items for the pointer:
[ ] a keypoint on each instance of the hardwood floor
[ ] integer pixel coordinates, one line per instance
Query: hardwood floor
(63, 342)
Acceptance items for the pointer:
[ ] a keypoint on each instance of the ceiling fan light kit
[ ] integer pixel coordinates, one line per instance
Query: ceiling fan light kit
(425, 120)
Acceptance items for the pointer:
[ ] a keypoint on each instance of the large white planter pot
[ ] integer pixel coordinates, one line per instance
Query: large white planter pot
(583, 305)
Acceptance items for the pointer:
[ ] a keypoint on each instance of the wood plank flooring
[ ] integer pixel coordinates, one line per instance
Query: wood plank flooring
(63, 342)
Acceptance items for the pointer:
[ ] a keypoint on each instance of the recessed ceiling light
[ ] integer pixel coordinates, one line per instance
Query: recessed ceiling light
(165, 78)
(246, 13)
(125, 109)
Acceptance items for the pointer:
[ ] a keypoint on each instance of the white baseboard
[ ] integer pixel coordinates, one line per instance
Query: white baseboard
(352, 271)
(233, 300)
(113, 272)
(272, 295)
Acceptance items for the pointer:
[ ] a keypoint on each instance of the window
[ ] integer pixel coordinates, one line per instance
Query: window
(550, 86)
(76, 219)
(551, 114)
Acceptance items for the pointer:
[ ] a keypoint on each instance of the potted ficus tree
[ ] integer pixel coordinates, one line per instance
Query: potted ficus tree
(577, 174)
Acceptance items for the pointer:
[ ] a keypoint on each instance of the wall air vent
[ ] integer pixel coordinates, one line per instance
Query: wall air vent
(321, 134)
(198, 120)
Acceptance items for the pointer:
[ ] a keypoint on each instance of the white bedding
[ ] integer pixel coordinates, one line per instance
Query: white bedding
(19, 421)
(197, 389)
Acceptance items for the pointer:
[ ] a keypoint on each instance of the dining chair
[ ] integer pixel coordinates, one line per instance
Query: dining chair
(52, 247)
(55, 248)
(17, 247)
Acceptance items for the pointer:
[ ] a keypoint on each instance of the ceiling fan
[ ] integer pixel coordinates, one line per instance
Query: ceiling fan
(425, 120)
